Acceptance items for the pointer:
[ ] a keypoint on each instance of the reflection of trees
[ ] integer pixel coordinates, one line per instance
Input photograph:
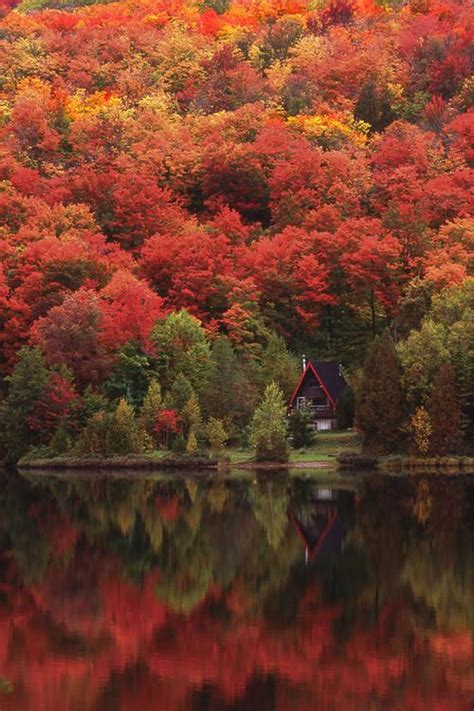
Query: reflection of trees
(269, 500)
(21, 531)
(148, 585)
(384, 529)
(447, 589)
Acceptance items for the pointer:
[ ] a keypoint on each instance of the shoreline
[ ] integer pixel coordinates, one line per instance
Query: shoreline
(147, 463)
(389, 465)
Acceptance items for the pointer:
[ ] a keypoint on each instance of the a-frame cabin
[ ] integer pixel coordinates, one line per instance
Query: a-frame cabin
(319, 388)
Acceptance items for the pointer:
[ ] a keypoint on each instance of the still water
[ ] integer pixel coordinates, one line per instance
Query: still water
(271, 593)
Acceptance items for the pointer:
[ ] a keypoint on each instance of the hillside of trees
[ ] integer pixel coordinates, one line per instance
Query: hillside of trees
(193, 193)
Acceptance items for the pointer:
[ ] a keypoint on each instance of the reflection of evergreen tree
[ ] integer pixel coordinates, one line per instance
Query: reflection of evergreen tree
(270, 506)
(20, 530)
(384, 530)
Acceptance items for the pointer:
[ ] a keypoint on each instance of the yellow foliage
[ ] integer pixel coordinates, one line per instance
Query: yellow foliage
(421, 429)
(125, 517)
(217, 496)
(191, 444)
(80, 105)
(423, 502)
(278, 74)
(154, 528)
(5, 111)
(330, 131)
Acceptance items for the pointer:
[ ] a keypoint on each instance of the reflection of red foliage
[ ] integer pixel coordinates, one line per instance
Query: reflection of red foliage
(168, 509)
(119, 626)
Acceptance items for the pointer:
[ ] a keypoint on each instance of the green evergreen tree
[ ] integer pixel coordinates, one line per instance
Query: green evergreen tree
(90, 403)
(217, 436)
(300, 428)
(130, 376)
(268, 429)
(192, 417)
(379, 404)
(60, 442)
(444, 411)
(222, 395)
(279, 366)
(151, 406)
(191, 443)
(179, 394)
(123, 435)
(345, 407)
(93, 438)
(26, 383)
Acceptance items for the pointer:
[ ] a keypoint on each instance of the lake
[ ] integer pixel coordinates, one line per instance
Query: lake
(263, 593)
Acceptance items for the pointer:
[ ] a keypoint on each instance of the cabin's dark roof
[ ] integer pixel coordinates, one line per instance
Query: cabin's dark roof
(331, 377)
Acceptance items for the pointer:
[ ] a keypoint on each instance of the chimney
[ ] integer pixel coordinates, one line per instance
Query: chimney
(304, 362)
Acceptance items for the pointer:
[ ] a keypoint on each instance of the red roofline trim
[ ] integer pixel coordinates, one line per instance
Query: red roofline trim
(313, 551)
(318, 378)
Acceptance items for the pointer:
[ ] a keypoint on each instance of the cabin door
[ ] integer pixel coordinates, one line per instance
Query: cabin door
(324, 424)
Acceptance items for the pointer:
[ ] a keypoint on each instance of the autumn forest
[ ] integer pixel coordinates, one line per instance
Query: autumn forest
(195, 193)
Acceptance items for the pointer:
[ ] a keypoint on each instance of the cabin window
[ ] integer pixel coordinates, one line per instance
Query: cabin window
(300, 402)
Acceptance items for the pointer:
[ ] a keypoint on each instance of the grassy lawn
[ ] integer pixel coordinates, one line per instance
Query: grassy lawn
(326, 447)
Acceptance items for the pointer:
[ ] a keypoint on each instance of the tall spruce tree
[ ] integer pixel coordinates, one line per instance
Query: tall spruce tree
(26, 383)
(152, 405)
(379, 406)
(278, 365)
(222, 393)
(300, 428)
(445, 411)
(130, 376)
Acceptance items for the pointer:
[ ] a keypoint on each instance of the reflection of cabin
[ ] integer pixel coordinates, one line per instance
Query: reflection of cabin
(319, 388)
(317, 524)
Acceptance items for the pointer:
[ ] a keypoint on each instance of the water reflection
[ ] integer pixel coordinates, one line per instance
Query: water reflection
(206, 593)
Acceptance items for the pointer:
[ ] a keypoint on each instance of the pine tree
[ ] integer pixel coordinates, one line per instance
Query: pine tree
(179, 394)
(379, 405)
(268, 429)
(93, 438)
(445, 411)
(152, 404)
(60, 442)
(345, 409)
(124, 436)
(222, 394)
(278, 365)
(300, 428)
(26, 384)
(130, 375)
(192, 417)
(191, 444)
(217, 436)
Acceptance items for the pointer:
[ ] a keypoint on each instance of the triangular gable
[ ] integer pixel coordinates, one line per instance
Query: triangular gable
(314, 550)
(310, 368)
